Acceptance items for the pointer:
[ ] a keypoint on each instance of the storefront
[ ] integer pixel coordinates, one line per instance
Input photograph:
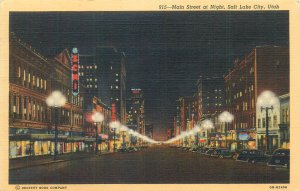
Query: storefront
(246, 139)
(22, 145)
(215, 140)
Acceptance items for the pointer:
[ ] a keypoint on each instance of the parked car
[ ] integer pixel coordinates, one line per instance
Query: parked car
(235, 154)
(222, 153)
(185, 148)
(280, 158)
(132, 149)
(252, 156)
(210, 151)
(203, 150)
(122, 150)
(194, 149)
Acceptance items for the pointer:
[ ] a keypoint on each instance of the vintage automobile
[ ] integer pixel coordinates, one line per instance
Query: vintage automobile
(210, 151)
(222, 153)
(252, 156)
(280, 158)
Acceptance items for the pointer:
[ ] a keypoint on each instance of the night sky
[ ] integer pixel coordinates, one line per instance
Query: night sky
(166, 51)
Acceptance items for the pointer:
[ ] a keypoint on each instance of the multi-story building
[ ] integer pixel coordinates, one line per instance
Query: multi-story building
(264, 68)
(278, 126)
(32, 78)
(137, 111)
(187, 108)
(89, 76)
(284, 125)
(102, 128)
(113, 80)
(210, 96)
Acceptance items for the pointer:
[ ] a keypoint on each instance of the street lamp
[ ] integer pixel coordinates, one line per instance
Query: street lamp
(123, 129)
(267, 100)
(206, 125)
(226, 118)
(130, 132)
(97, 117)
(56, 100)
(114, 125)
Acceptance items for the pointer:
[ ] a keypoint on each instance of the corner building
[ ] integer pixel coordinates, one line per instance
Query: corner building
(264, 68)
(32, 78)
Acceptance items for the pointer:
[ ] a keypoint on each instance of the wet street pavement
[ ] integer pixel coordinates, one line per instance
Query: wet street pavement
(152, 165)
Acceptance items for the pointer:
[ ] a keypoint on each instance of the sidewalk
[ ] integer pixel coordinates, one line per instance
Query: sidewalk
(24, 162)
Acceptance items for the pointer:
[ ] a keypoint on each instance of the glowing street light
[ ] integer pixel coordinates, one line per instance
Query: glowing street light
(97, 117)
(123, 129)
(207, 124)
(114, 125)
(226, 118)
(267, 100)
(56, 100)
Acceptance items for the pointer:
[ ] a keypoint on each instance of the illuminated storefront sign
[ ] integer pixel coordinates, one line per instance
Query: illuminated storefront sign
(113, 112)
(135, 91)
(75, 71)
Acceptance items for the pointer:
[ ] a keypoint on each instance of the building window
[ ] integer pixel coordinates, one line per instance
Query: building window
(24, 77)
(269, 120)
(117, 74)
(37, 82)
(33, 80)
(287, 115)
(45, 84)
(117, 87)
(275, 121)
(14, 103)
(41, 83)
(259, 123)
(29, 77)
(19, 72)
(283, 116)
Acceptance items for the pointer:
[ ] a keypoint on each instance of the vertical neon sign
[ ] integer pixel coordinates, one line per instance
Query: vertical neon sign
(75, 71)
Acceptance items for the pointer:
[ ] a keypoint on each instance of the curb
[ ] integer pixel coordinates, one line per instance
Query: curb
(57, 161)
(49, 162)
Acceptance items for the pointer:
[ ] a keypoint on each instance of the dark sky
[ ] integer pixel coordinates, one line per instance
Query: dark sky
(166, 51)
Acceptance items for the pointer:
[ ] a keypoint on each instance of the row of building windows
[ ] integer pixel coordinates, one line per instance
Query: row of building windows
(88, 67)
(28, 108)
(92, 86)
(261, 123)
(91, 79)
(111, 87)
(30, 80)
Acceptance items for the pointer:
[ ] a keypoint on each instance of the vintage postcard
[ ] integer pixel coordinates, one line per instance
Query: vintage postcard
(134, 95)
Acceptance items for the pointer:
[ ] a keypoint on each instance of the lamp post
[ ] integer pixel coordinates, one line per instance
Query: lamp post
(97, 117)
(226, 118)
(56, 100)
(114, 125)
(267, 100)
(130, 132)
(206, 125)
(123, 129)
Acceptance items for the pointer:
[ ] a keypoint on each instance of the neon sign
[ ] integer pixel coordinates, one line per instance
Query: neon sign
(75, 71)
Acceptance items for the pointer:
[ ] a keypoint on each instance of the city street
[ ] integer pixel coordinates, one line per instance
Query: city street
(158, 164)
